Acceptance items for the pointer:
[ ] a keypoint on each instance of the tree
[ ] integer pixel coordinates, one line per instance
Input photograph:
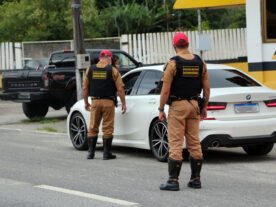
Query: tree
(131, 18)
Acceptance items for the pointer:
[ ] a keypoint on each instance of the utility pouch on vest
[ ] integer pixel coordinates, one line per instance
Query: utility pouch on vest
(201, 102)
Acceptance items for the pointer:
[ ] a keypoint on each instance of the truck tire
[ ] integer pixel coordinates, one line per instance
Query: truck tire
(35, 110)
(72, 100)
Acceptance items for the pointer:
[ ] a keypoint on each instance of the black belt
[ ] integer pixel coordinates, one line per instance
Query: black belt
(97, 98)
(179, 98)
(114, 99)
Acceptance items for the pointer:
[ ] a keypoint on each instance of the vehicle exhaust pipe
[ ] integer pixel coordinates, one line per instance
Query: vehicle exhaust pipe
(215, 143)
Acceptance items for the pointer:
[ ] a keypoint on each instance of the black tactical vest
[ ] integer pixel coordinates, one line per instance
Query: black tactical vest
(101, 83)
(187, 81)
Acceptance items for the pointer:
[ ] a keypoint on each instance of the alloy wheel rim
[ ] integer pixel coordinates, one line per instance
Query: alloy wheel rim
(78, 131)
(160, 139)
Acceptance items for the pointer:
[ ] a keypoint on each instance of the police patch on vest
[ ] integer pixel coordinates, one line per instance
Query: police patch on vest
(99, 75)
(190, 71)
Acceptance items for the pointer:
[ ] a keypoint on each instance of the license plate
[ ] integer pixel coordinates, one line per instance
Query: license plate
(24, 96)
(247, 108)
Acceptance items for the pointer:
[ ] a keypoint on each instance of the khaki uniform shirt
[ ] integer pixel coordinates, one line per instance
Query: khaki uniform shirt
(115, 75)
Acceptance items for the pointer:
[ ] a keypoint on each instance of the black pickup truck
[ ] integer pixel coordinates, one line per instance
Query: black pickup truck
(55, 85)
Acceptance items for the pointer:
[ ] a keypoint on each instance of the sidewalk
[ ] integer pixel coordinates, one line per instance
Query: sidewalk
(12, 117)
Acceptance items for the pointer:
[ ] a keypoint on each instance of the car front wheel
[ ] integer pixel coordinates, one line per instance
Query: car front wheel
(261, 149)
(78, 131)
(159, 140)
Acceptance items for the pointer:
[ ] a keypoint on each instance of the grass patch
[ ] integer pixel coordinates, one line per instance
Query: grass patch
(40, 120)
(48, 129)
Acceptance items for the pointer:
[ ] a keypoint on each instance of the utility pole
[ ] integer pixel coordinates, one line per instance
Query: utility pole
(199, 28)
(78, 43)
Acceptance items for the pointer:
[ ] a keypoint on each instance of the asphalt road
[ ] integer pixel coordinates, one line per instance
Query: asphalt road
(41, 169)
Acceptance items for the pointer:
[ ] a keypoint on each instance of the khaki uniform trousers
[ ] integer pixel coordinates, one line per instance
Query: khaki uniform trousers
(183, 120)
(102, 109)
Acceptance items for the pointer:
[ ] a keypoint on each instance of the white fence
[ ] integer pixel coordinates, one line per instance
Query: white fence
(154, 48)
(10, 55)
(150, 48)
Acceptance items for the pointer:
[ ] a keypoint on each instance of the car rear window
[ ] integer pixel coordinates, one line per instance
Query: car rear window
(224, 78)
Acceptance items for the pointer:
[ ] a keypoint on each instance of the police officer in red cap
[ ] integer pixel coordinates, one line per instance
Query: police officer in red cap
(101, 83)
(185, 75)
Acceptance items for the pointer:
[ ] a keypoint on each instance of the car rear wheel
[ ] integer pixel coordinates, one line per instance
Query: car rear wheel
(35, 110)
(261, 149)
(78, 132)
(159, 140)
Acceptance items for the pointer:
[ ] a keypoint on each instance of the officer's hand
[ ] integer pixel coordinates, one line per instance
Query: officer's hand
(124, 109)
(87, 107)
(203, 114)
(162, 116)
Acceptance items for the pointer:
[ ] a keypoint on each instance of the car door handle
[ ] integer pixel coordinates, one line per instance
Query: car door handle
(152, 101)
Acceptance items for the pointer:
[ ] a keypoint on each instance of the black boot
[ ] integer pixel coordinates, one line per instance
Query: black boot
(195, 173)
(92, 141)
(174, 170)
(107, 143)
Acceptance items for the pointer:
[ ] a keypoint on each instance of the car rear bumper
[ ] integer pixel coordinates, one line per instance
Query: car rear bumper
(225, 140)
(25, 97)
(237, 132)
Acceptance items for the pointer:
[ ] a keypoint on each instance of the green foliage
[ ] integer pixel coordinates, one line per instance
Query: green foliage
(31, 20)
(40, 120)
(34, 20)
(130, 18)
(48, 129)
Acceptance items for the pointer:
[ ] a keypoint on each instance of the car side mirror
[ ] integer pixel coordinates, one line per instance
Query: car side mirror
(140, 64)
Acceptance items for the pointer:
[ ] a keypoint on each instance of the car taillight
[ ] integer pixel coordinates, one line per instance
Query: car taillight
(216, 106)
(66, 50)
(271, 103)
(210, 119)
(46, 81)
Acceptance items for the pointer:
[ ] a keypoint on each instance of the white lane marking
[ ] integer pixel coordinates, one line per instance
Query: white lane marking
(87, 195)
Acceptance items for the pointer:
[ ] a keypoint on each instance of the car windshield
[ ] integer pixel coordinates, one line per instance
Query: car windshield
(224, 78)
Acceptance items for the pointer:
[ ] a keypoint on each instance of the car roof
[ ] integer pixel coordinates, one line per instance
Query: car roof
(161, 67)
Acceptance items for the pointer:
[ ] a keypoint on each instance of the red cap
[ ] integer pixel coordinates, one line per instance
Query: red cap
(105, 53)
(180, 39)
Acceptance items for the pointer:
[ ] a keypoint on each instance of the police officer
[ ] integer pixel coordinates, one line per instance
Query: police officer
(101, 83)
(185, 75)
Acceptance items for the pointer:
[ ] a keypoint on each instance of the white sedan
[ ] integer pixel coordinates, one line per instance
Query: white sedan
(241, 113)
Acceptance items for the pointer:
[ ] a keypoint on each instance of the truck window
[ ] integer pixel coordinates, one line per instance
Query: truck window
(269, 20)
(66, 59)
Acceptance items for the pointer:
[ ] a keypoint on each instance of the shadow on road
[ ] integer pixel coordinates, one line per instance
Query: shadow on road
(233, 156)
(214, 156)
